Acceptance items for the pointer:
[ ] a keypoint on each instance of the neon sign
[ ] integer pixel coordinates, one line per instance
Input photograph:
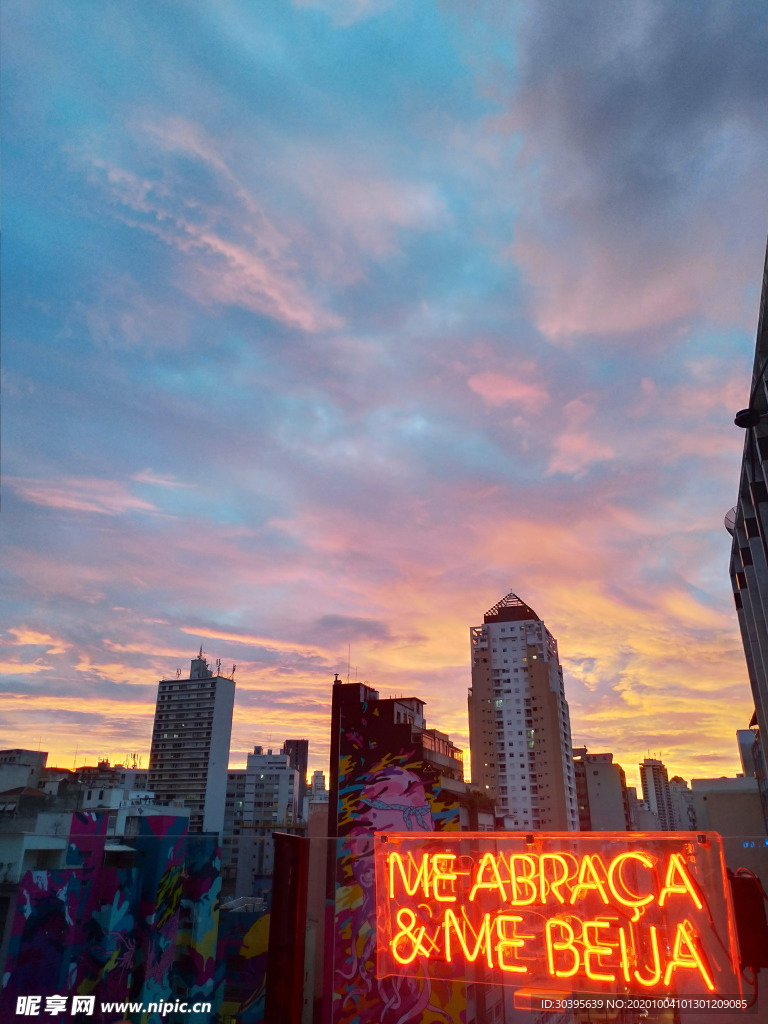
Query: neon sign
(599, 912)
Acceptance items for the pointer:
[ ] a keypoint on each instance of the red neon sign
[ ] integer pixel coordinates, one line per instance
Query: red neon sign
(606, 912)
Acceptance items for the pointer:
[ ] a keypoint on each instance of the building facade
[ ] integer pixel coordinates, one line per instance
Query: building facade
(190, 744)
(130, 920)
(389, 773)
(519, 723)
(747, 523)
(261, 799)
(601, 788)
(655, 783)
(22, 768)
(683, 810)
(298, 752)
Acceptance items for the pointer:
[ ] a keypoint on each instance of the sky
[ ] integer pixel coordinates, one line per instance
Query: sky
(328, 323)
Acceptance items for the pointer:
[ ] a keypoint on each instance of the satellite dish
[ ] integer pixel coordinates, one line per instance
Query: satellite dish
(746, 418)
(730, 520)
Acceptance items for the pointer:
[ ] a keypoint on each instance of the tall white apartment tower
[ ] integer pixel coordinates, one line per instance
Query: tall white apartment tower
(519, 726)
(189, 755)
(655, 783)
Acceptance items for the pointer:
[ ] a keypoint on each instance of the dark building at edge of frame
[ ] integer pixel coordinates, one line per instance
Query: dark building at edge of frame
(748, 525)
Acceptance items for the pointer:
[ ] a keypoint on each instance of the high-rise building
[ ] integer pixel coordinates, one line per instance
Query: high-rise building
(683, 809)
(747, 523)
(642, 817)
(261, 799)
(655, 783)
(190, 743)
(317, 791)
(601, 788)
(746, 739)
(298, 752)
(519, 725)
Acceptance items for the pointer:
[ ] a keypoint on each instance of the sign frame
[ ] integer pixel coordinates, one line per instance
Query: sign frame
(630, 913)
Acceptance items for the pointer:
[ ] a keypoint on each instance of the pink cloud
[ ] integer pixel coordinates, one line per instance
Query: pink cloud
(268, 643)
(81, 494)
(591, 292)
(357, 203)
(254, 271)
(148, 476)
(238, 277)
(502, 388)
(576, 448)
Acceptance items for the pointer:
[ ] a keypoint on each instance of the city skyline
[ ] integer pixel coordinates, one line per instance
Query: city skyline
(328, 325)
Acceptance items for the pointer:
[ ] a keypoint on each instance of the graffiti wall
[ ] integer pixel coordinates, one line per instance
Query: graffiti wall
(384, 785)
(118, 921)
(161, 846)
(193, 970)
(241, 972)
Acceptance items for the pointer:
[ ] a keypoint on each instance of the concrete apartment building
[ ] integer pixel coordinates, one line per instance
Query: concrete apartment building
(601, 789)
(655, 783)
(189, 755)
(519, 724)
(261, 798)
(683, 810)
(298, 752)
(21, 769)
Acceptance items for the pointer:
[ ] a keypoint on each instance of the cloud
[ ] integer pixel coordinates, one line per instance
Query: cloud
(147, 476)
(360, 207)
(32, 638)
(502, 388)
(641, 148)
(576, 448)
(22, 668)
(355, 627)
(362, 324)
(347, 12)
(231, 252)
(268, 643)
(84, 494)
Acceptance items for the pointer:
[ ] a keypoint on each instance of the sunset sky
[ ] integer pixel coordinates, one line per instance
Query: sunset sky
(328, 323)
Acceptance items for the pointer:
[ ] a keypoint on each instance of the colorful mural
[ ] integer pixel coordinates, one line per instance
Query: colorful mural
(129, 919)
(385, 784)
(241, 970)
(74, 930)
(161, 845)
(194, 967)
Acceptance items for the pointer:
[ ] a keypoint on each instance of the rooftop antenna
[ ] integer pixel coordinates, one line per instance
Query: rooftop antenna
(74, 766)
(234, 667)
